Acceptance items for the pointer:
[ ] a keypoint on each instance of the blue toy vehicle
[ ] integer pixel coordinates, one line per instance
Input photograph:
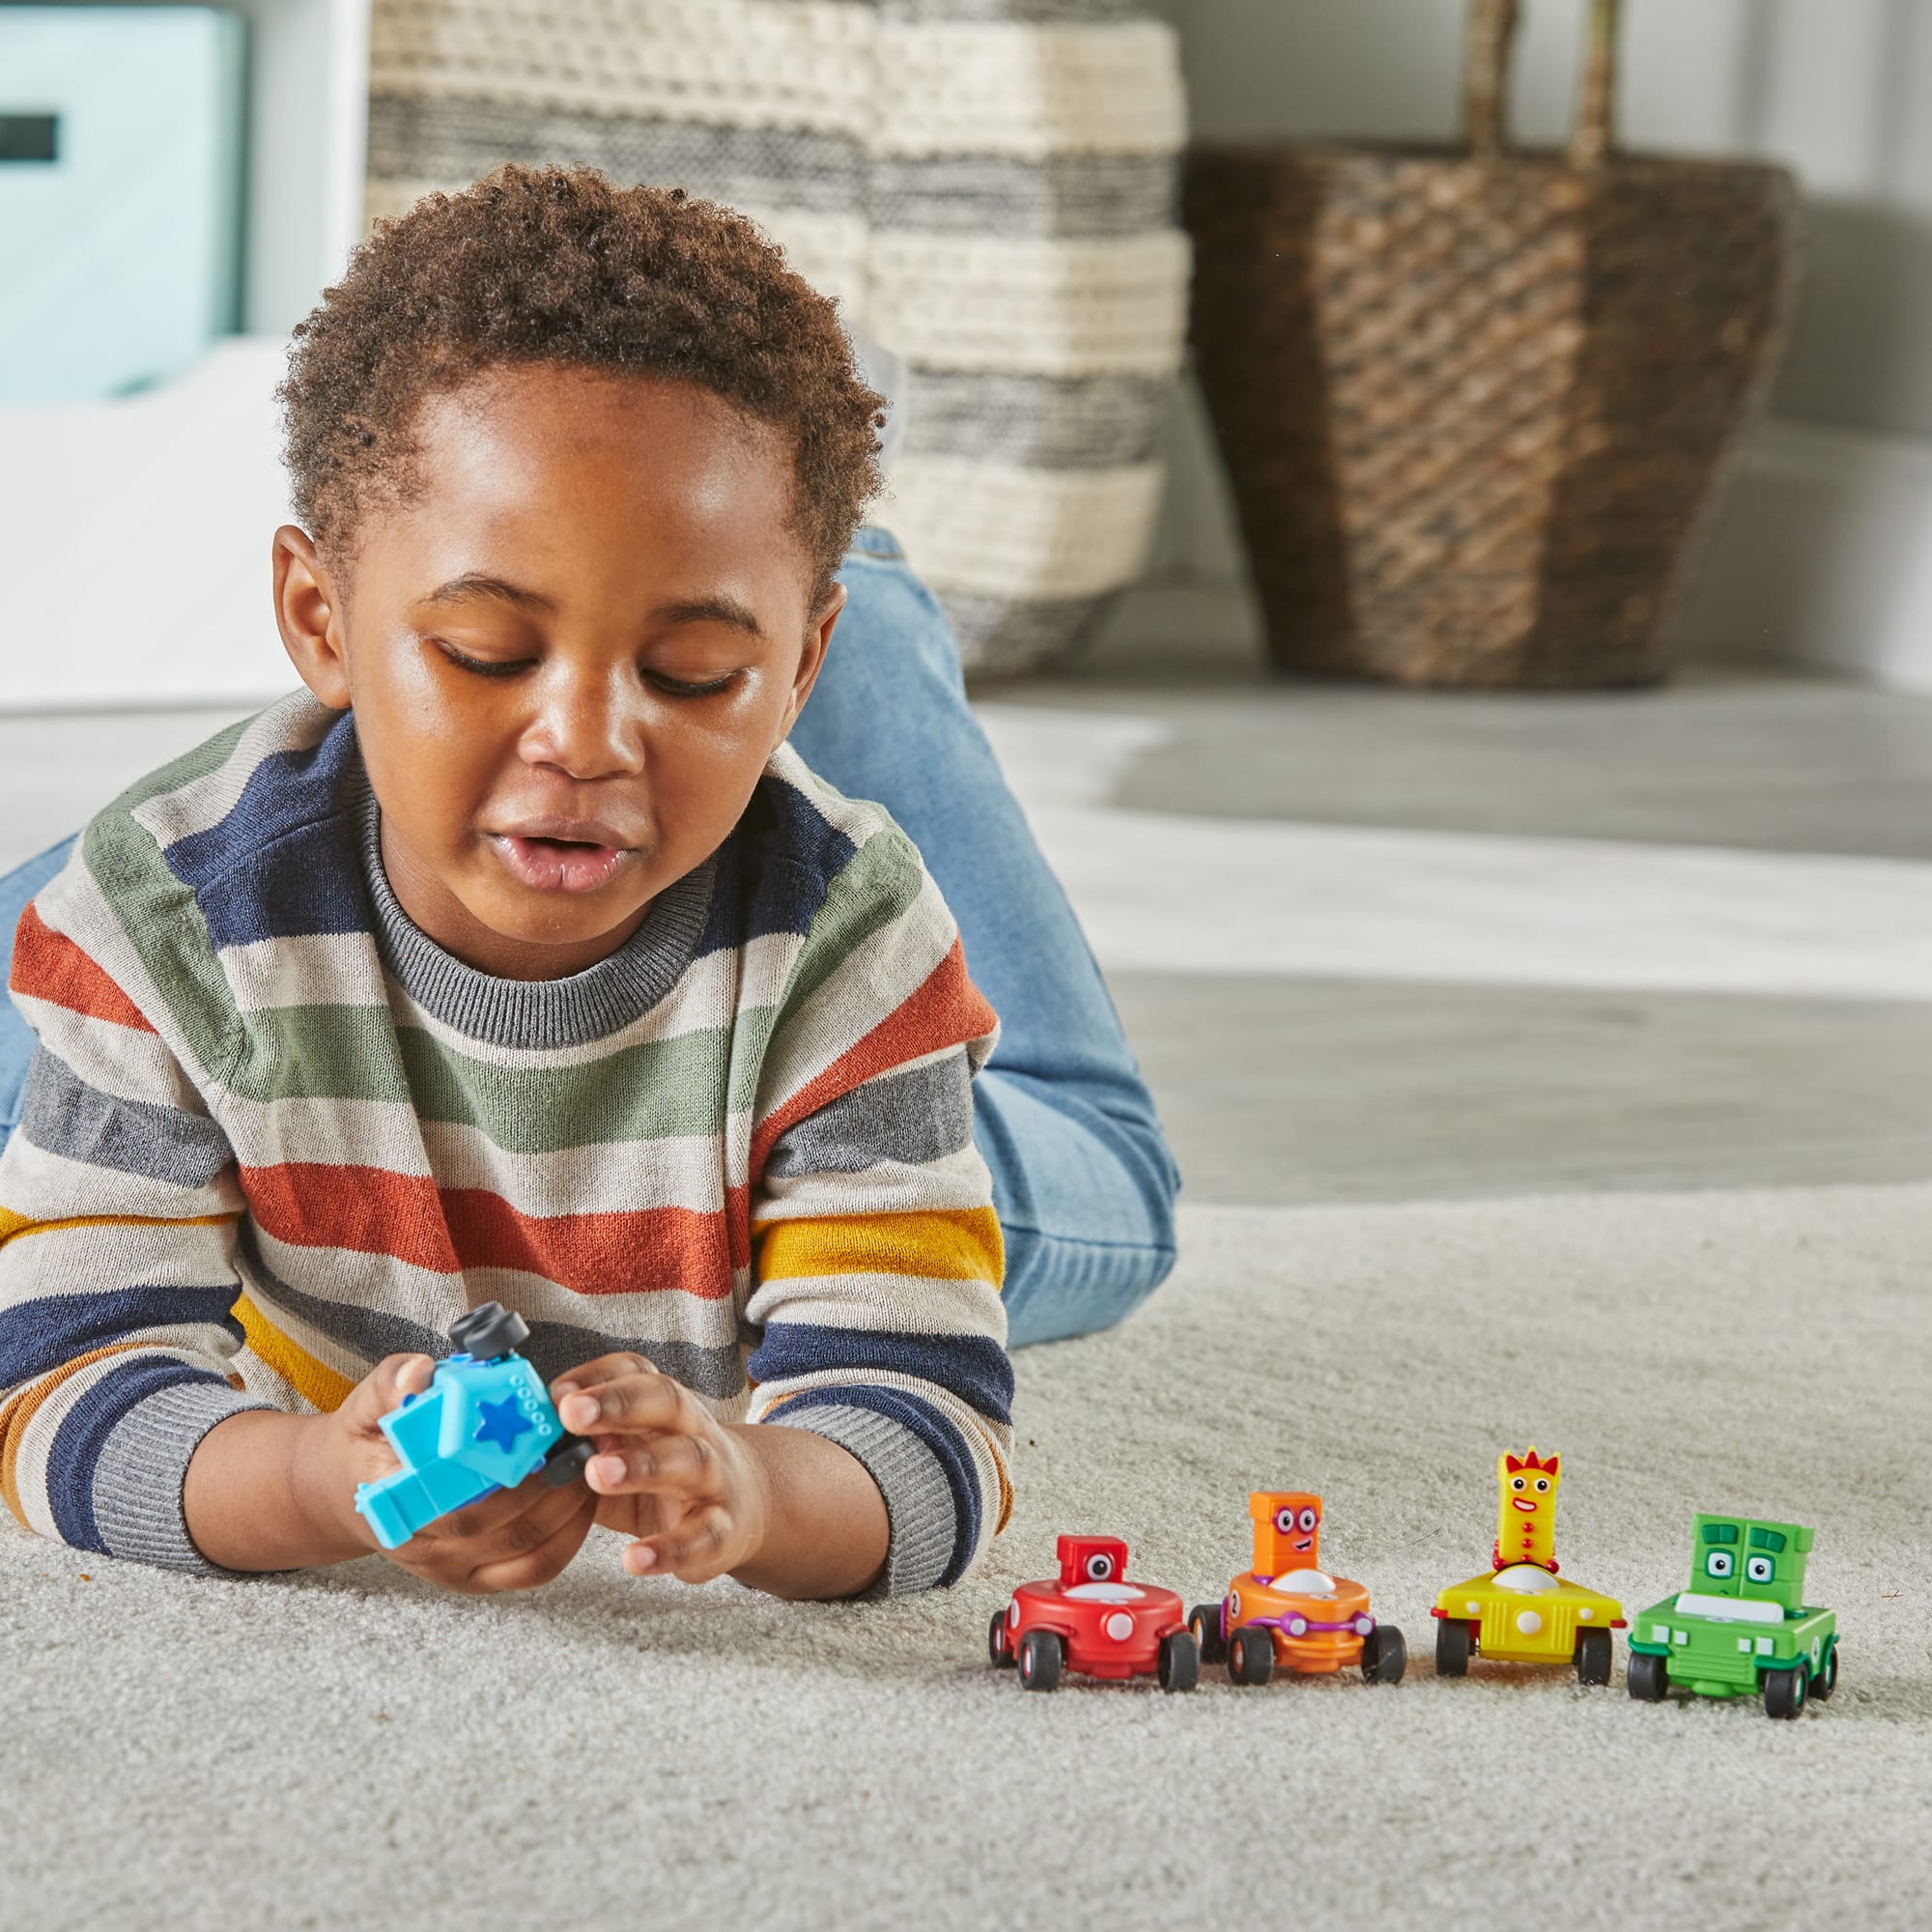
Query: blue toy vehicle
(483, 1424)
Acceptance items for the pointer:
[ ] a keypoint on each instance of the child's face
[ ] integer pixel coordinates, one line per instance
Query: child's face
(570, 653)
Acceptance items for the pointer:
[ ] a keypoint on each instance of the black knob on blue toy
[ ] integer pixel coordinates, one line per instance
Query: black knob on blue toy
(488, 1331)
(565, 1462)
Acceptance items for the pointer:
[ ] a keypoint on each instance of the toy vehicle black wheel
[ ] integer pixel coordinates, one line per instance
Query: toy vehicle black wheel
(1452, 1647)
(1179, 1666)
(996, 1643)
(1647, 1678)
(1042, 1655)
(1204, 1621)
(1824, 1679)
(1384, 1655)
(1784, 1693)
(489, 1330)
(1593, 1656)
(567, 1461)
(1250, 1656)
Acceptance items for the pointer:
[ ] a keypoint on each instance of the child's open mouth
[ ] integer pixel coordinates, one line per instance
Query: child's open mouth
(559, 864)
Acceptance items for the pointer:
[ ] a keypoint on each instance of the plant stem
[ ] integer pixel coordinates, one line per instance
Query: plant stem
(1596, 113)
(1493, 27)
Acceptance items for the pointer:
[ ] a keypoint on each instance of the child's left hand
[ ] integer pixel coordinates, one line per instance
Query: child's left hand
(667, 1471)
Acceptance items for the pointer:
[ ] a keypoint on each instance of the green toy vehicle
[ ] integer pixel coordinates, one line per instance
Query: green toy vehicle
(1743, 1625)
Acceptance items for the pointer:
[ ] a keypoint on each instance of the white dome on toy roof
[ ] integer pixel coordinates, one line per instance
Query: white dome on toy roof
(1528, 1579)
(1304, 1583)
(1104, 1593)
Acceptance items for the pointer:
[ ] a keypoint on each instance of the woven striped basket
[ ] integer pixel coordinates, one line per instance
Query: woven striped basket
(1475, 407)
(986, 187)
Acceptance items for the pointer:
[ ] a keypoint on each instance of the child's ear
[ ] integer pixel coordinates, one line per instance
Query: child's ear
(811, 660)
(308, 614)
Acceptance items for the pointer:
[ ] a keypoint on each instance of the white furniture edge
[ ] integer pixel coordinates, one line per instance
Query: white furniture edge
(307, 151)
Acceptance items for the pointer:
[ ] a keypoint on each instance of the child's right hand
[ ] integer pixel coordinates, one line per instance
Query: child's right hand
(513, 1540)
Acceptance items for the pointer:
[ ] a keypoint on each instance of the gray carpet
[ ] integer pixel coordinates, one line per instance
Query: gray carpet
(352, 1749)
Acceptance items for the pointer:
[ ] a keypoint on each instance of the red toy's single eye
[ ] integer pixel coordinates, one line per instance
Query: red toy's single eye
(1284, 1520)
(1309, 1518)
(1099, 1568)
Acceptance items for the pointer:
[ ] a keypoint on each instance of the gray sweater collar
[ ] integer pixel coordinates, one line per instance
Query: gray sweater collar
(536, 1014)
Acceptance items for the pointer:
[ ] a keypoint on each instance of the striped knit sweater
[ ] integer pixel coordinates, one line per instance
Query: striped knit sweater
(275, 1132)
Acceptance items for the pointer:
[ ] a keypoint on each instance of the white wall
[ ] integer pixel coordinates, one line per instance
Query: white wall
(309, 116)
(1840, 89)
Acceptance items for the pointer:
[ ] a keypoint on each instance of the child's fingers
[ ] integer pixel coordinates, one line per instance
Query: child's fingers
(630, 1403)
(384, 1387)
(542, 1561)
(604, 1368)
(411, 1376)
(698, 1549)
(652, 1465)
(516, 1519)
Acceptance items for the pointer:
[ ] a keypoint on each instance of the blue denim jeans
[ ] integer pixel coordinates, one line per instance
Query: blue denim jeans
(1082, 1176)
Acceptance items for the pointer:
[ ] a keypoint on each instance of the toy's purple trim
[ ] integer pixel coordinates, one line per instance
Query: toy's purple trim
(1350, 1625)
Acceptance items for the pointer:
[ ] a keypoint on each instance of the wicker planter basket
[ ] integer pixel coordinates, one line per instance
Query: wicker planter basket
(1475, 407)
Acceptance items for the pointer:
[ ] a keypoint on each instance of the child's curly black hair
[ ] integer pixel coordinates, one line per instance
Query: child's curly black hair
(561, 266)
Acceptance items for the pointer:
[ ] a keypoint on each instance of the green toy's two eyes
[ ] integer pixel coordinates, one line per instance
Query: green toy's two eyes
(1759, 1569)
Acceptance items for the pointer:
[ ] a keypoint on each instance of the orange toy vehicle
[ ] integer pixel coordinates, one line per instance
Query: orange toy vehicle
(1286, 1610)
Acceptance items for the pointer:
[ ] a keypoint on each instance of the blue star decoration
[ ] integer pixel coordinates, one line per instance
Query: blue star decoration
(503, 1422)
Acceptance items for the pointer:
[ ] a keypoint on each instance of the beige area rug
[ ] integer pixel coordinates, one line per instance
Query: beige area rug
(355, 1750)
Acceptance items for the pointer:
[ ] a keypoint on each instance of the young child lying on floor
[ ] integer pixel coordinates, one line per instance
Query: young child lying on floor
(520, 955)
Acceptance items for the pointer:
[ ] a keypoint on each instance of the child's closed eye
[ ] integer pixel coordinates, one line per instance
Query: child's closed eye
(482, 667)
(678, 686)
(674, 687)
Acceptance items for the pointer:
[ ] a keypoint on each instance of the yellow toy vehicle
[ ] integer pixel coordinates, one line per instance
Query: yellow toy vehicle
(1518, 1612)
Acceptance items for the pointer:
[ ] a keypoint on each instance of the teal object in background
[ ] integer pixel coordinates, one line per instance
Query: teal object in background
(120, 195)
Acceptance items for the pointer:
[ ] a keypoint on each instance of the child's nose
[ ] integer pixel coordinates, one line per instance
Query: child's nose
(590, 723)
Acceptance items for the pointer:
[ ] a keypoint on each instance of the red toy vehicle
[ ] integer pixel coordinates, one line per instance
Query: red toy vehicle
(1090, 1619)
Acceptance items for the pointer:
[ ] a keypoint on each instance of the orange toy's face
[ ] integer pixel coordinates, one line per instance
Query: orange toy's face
(1292, 1529)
